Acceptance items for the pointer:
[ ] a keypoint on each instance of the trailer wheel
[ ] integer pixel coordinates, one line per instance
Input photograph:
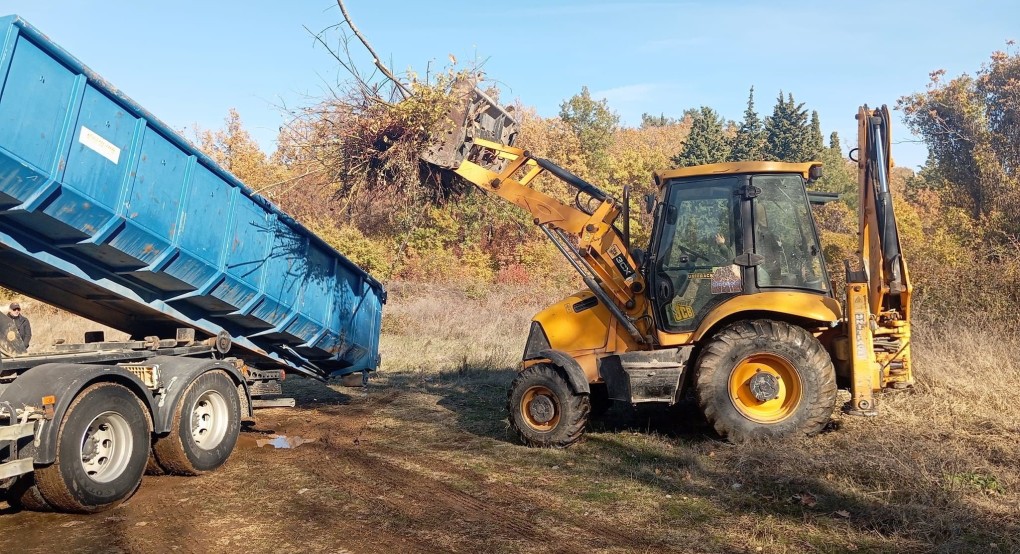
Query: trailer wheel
(544, 411)
(206, 423)
(25, 495)
(761, 379)
(102, 447)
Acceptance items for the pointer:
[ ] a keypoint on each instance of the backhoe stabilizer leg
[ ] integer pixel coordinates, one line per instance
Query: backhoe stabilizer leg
(896, 361)
(865, 375)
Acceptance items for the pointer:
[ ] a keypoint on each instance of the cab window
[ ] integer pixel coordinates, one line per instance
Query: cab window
(784, 235)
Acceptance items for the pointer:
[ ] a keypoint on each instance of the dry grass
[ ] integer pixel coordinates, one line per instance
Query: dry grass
(938, 470)
(433, 328)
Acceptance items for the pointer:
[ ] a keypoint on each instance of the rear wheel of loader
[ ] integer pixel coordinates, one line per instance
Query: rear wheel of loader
(544, 411)
(760, 379)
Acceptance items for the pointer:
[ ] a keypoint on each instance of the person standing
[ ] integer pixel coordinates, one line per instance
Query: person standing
(20, 323)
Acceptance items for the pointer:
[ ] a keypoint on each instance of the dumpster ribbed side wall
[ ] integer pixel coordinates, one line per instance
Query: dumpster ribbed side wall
(108, 213)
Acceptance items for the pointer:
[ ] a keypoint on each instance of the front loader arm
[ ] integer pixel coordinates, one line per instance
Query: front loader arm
(589, 241)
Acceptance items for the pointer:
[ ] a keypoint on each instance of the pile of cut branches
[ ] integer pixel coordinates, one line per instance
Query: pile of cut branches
(368, 137)
(367, 145)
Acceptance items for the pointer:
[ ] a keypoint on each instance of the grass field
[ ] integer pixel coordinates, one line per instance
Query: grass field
(423, 461)
(938, 469)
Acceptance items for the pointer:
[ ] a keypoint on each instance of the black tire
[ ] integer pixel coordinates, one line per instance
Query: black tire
(544, 411)
(205, 426)
(742, 401)
(107, 422)
(24, 495)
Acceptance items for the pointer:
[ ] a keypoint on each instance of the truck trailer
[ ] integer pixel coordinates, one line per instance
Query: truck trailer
(108, 213)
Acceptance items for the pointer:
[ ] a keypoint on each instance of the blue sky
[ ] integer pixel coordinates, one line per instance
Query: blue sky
(189, 62)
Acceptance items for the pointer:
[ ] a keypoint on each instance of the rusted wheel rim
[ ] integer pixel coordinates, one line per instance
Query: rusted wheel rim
(540, 408)
(765, 388)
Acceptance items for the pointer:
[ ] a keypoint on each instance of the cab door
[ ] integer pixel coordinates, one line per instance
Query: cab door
(698, 236)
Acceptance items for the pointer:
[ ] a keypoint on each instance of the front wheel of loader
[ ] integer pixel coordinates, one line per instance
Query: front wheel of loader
(765, 379)
(544, 411)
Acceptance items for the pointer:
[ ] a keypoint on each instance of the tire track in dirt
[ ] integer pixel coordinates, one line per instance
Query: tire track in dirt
(324, 423)
(431, 504)
(365, 494)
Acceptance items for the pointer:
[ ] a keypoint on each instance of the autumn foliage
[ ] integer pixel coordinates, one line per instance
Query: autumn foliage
(349, 168)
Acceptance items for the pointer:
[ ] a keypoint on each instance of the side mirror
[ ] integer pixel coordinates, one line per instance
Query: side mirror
(649, 203)
(815, 173)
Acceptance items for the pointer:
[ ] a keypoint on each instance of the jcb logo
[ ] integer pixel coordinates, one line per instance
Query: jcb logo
(682, 312)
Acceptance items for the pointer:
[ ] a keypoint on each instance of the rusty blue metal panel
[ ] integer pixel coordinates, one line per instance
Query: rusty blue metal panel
(107, 212)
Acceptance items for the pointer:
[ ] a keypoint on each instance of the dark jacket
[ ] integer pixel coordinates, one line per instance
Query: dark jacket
(23, 327)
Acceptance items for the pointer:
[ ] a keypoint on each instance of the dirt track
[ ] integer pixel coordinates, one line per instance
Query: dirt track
(424, 462)
(353, 489)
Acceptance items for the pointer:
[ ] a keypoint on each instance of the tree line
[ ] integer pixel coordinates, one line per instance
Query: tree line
(346, 167)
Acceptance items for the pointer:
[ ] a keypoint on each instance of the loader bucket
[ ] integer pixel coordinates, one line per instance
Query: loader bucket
(474, 115)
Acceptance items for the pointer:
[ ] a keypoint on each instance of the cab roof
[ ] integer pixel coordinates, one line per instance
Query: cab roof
(734, 168)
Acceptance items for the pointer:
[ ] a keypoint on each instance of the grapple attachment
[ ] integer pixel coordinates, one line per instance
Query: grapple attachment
(475, 115)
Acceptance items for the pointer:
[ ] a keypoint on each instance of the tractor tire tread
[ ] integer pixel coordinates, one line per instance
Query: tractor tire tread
(813, 364)
(576, 408)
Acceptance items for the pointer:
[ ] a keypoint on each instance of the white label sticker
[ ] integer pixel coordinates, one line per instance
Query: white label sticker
(101, 146)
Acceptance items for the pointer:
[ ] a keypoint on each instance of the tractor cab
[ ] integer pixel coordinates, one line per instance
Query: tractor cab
(730, 229)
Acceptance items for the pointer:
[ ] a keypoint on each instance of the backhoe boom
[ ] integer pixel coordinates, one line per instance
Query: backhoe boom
(878, 295)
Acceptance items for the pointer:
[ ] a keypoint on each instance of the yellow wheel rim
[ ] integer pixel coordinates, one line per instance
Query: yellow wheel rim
(765, 388)
(540, 408)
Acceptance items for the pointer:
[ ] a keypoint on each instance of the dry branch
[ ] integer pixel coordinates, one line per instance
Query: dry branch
(405, 92)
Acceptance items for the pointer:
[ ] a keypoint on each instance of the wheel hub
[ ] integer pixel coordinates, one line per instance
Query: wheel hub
(209, 420)
(90, 448)
(541, 409)
(764, 386)
(106, 447)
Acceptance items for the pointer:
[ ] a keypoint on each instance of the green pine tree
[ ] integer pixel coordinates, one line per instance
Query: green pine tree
(706, 143)
(787, 132)
(815, 139)
(839, 174)
(748, 143)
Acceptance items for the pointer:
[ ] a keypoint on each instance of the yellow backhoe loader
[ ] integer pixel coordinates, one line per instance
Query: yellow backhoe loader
(732, 296)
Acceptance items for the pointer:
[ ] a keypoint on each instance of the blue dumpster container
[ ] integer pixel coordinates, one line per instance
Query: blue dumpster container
(108, 213)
